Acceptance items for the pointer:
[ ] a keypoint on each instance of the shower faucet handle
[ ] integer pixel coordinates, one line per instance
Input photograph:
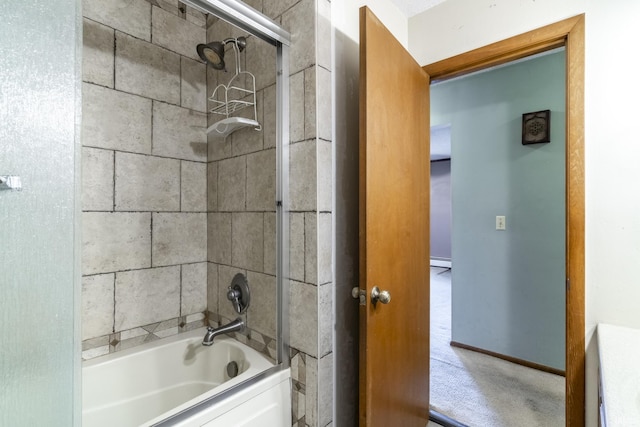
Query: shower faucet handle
(238, 293)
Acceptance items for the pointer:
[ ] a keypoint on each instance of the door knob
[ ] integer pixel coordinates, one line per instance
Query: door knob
(377, 295)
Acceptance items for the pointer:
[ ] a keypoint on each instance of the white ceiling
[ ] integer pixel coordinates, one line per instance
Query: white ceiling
(414, 7)
(440, 135)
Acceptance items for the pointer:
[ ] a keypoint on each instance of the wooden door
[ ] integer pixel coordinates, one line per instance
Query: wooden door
(394, 230)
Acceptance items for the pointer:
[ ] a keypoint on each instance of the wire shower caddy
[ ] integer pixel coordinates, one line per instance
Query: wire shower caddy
(233, 97)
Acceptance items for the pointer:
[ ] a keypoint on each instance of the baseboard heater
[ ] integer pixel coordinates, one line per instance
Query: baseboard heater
(443, 420)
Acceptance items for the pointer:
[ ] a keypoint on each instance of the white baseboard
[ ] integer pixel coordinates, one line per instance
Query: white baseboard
(440, 263)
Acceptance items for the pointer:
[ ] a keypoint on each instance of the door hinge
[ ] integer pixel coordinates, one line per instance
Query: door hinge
(568, 285)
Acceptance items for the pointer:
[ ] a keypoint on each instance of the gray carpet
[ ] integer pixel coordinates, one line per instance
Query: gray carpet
(480, 390)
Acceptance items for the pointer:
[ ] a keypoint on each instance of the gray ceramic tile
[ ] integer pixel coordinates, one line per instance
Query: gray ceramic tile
(261, 181)
(97, 53)
(97, 305)
(212, 82)
(194, 288)
(248, 241)
(115, 241)
(269, 117)
(325, 271)
(134, 342)
(249, 139)
(298, 369)
(179, 238)
(296, 107)
(195, 318)
(300, 22)
(324, 33)
(232, 184)
(132, 333)
(131, 17)
(171, 6)
(303, 312)
(164, 324)
(147, 183)
(302, 176)
(179, 132)
(194, 85)
(225, 277)
(221, 30)
(148, 70)
(261, 62)
(95, 342)
(296, 246)
(196, 17)
(164, 333)
(298, 406)
(325, 319)
(115, 120)
(219, 148)
(212, 186)
(323, 96)
(270, 244)
(212, 287)
(97, 179)
(310, 103)
(175, 33)
(219, 241)
(261, 315)
(311, 391)
(193, 187)
(274, 8)
(325, 390)
(324, 175)
(146, 296)
(311, 248)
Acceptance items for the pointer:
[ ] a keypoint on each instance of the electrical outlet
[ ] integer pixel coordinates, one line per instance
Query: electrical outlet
(501, 222)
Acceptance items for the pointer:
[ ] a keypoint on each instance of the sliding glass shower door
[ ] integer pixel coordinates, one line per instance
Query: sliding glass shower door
(39, 93)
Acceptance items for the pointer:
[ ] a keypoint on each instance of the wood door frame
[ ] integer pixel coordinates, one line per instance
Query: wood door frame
(569, 33)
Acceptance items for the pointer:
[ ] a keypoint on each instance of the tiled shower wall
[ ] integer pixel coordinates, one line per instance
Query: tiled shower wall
(242, 200)
(144, 173)
(157, 206)
(242, 194)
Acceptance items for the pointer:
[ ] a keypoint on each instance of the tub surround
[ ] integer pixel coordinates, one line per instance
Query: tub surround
(151, 166)
(144, 180)
(241, 201)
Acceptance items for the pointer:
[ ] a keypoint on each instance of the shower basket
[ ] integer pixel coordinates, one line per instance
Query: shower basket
(239, 93)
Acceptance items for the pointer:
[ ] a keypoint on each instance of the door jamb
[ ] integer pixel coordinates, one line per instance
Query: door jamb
(569, 33)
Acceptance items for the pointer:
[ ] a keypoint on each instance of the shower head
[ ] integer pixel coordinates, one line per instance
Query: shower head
(213, 53)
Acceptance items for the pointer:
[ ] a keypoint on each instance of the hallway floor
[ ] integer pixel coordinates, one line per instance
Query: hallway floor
(479, 390)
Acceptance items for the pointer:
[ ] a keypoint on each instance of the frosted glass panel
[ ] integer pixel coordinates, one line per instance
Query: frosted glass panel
(39, 360)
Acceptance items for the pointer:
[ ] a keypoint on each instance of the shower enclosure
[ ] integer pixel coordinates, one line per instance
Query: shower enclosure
(169, 214)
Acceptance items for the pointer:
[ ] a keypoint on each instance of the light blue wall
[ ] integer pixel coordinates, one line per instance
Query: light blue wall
(39, 274)
(508, 291)
(440, 222)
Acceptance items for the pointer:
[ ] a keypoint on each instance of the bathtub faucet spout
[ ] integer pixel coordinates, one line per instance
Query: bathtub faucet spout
(235, 326)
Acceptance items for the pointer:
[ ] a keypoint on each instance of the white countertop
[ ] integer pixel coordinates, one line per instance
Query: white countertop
(619, 350)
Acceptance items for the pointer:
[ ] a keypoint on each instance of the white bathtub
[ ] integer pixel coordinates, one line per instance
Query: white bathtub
(177, 381)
